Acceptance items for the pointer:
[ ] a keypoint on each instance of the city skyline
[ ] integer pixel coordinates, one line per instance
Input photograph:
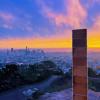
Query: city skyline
(47, 24)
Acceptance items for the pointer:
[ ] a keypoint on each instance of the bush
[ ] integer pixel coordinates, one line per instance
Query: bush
(94, 85)
(91, 72)
(11, 76)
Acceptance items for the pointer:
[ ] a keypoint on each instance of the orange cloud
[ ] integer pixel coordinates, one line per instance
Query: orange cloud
(36, 43)
(46, 42)
(94, 33)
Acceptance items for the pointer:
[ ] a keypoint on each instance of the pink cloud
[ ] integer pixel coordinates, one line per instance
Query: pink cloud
(75, 13)
(10, 21)
(96, 24)
(7, 19)
(90, 3)
(94, 1)
(7, 26)
(94, 30)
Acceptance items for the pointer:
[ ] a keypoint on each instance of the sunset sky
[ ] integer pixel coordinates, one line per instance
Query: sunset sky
(47, 23)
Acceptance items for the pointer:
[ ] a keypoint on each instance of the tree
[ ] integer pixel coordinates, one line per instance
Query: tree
(91, 72)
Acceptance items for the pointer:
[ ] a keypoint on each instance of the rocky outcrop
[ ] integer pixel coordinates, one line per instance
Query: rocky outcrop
(67, 95)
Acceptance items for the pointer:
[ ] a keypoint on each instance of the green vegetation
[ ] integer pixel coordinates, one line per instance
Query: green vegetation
(12, 76)
(94, 80)
(91, 72)
(94, 85)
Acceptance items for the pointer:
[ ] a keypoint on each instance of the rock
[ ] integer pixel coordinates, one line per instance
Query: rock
(29, 93)
(32, 94)
(67, 95)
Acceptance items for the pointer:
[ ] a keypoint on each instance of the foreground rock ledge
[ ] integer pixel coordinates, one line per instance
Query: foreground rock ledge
(67, 95)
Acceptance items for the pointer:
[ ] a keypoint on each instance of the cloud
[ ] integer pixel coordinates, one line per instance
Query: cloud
(75, 15)
(94, 1)
(91, 3)
(15, 25)
(94, 33)
(7, 19)
(11, 21)
(96, 25)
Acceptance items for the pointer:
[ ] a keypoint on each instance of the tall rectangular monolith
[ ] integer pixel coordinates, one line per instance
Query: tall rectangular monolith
(80, 70)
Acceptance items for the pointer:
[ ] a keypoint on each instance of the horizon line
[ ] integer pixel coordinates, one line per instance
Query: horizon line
(55, 49)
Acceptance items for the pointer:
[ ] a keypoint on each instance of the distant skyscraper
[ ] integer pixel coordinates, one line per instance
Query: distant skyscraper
(26, 48)
(80, 64)
(12, 49)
